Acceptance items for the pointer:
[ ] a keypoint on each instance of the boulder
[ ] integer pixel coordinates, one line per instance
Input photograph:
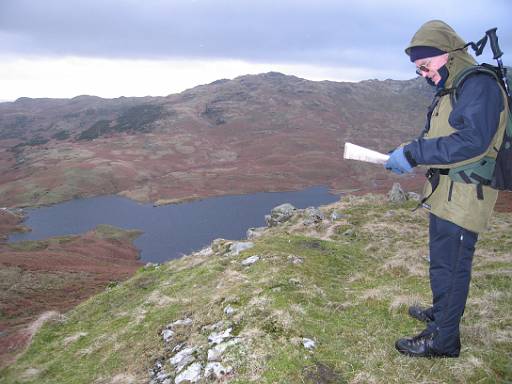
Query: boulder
(280, 214)
(217, 338)
(167, 335)
(191, 375)
(313, 216)
(183, 358)
(239, 246)
(216, 371)
(397, 194)
(215, 353)
(250, 260)
(254, 233)
(308, 343)
(229, 310)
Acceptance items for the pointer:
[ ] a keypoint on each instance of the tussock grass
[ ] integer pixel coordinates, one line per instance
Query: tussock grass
(349, 294)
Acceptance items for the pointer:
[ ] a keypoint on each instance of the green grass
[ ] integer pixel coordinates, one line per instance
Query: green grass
(350, 295)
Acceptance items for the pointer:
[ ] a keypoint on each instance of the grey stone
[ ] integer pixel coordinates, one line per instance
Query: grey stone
(280, 214)
(229, 310)
(167, 335)
(308, 343)
(192, 374)
(216, 326)
(215, 353)
(184, 322)
(414, 196)
(348, 232)
(219, 337)
(295, 259)
(240, 246)
(183, 358)
(336, 216)
(250, 260)
(254, 233)
(313, 216)
(397, 194)
(208, 251)
(216, 371)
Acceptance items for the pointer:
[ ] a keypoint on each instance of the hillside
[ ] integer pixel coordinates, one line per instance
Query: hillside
(267, 132)
(320, 298)
(37, 277)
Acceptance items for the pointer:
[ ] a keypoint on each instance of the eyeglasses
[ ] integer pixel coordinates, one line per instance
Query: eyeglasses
(423, 68)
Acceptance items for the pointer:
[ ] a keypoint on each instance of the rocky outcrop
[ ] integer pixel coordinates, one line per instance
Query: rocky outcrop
(280, 214)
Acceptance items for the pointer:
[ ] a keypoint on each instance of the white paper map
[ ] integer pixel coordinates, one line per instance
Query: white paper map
(355, 152)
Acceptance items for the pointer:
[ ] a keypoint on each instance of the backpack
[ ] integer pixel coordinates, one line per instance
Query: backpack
(496, 173)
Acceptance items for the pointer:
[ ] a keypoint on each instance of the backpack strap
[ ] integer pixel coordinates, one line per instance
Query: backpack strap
(467, 73)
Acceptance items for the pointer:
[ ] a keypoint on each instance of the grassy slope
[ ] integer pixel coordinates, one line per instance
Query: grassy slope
(350, 295)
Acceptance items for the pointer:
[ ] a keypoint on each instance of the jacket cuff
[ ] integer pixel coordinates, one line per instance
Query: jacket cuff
(410, 159)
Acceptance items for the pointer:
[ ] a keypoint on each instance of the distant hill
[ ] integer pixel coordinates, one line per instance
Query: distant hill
(254, 133)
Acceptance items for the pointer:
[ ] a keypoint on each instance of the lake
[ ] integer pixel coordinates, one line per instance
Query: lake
(170, 231)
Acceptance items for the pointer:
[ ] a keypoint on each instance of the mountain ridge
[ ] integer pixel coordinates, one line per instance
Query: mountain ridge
(222, 131)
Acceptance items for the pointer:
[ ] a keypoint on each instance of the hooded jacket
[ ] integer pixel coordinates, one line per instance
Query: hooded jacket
(459, 135)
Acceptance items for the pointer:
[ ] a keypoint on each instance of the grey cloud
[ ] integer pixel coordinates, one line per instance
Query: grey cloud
(351, 33)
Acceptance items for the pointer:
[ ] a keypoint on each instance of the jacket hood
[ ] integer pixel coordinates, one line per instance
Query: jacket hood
(438, 34)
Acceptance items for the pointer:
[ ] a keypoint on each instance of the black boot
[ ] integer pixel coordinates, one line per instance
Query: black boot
(422, 346)
(422, 314)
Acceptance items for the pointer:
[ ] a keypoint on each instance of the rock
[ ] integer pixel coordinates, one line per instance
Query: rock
(250, 260)
(151, 265)
(336, 216)
(414, 196)
(185, 322)
(216, 326)
(239, 246)
(348, 232)
(397, 194)
(216, 371)
(229, 310)
(221, 246)
(313, 216)
(192, 374)
(254, 233)
(295, 259)
(217, 338)
(308, 343)
(280, 214)
(208, 251)
(167, 335)
(215, 353)
(178, 348)
(158, 374)
(183, 358)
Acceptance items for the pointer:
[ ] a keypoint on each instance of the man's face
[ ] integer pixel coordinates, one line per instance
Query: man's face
(429, 66)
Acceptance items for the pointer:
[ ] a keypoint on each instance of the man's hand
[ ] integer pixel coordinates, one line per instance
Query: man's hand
(397, 163)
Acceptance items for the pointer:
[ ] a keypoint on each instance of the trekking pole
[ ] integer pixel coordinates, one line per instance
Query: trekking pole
(493, 39)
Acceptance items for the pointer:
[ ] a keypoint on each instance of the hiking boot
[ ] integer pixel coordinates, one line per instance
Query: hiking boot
(421, 346)
(421, 314)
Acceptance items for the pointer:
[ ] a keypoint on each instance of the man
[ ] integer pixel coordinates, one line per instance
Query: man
(454, 135)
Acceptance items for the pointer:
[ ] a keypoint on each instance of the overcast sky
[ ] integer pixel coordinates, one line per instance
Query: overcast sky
(111, 48)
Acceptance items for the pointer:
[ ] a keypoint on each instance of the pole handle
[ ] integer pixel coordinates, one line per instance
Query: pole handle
(494, 43)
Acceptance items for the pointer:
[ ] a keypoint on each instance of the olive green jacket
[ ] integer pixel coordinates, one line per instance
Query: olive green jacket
(455, 201)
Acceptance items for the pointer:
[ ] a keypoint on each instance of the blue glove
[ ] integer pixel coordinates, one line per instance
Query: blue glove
(397, 163)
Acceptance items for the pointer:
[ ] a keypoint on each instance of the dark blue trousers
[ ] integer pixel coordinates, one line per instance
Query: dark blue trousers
(451, 257)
